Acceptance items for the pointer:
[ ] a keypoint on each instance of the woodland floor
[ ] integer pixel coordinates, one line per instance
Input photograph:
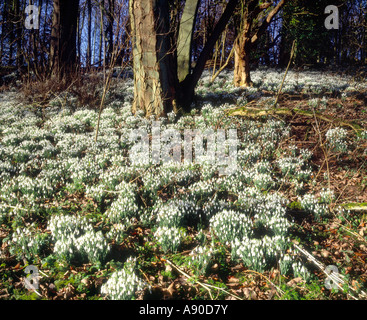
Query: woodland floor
(339, 238)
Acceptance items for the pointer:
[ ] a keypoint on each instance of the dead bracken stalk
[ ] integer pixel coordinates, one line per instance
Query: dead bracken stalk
(286, 72)
(217, 73)
(267, 279)
(336, 278)
(107, 77)
(323, 149)
(206, 286)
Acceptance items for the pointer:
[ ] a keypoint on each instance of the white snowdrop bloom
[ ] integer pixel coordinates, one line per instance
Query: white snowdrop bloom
(327, 195)
(299, 270)
(174, 212)
(228, 225)
(27, 242)
(169, 238)
(263, 181)
(123, 284)
(68, 225)
(63, 154)
(202, 188)
(75, 236)
(125, 206)
(92, 245)
(312, 205)
(37, 187)
(336, 139)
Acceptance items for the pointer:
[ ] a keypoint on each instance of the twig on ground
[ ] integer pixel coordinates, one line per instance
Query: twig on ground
(267, 279)
(336, 278)
(204, 285)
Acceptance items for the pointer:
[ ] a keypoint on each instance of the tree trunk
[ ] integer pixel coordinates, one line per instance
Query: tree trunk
(155, 81)
(157, 89)
(184, 42)
(109, 29)
(63, 37)
(37, 47)
(249, 37)
(4, 16)
(11, 23)
(89, 35)
(79, 28)
(55, 39)
(187, 86)
(242, 77)
(243, 46)
(101, 47)
(19, 31)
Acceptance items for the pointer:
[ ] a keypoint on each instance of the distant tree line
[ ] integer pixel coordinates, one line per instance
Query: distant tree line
(170, 42)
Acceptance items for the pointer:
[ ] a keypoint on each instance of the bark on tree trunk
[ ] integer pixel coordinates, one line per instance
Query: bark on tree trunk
(187, 86)
(157, 89)
(110, 12)
(101, 46)
(4, 16)
(155, 80)
(12, 21)
(184, 42)
(249, 37)
(55, 39)
(63, 37)
(242, 77)
(19, 26)
(89, 45)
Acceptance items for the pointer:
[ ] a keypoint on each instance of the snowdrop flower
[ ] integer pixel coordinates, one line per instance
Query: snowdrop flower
(300, 270)
(201, 259)
(124, 207)
(27, 242)
(336, 139)
(74, 237)
(169, 238)
(312, 205)
(229, 224)
(123, 284)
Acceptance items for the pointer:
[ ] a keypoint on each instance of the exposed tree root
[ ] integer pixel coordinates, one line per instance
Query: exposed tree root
(355, 206)
(251, 112)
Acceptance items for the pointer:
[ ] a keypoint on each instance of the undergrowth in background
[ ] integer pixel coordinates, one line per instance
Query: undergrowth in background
(100, 225)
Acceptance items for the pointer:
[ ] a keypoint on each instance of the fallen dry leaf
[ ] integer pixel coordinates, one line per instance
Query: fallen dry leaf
(233, 280)
(292, 283)
(249, 293)
(171, 289)
(325, 253)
